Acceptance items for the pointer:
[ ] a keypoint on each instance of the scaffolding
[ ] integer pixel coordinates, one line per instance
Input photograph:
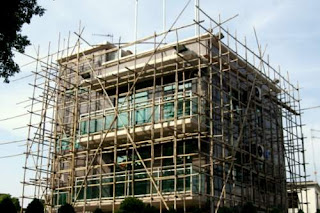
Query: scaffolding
(199, 122)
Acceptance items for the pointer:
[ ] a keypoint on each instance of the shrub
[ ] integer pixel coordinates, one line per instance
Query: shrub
(6, 204)
(131, 205)
(300, 211)
(66, 208)
(36, 206)
(171, 210)
(196, 210)
(150, 209)
(16, 203)
(276, 210)
(248, 208)
(98, 210)
(224, 209)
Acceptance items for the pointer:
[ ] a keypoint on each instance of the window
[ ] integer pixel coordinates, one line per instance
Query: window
(111, 56)
(83, 127)
(142, 114)
(123, 119)
(168, 108)
(293, 200)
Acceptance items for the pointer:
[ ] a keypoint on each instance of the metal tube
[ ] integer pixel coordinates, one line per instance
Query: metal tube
(136, 26)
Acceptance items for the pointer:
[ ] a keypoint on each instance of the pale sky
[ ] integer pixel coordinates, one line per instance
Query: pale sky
(290, 28)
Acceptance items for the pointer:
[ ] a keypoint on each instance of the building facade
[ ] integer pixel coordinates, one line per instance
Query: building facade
(176, 127)
(197, 123)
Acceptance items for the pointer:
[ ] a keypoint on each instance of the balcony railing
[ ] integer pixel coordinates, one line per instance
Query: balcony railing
(141, 112)
(101, 186)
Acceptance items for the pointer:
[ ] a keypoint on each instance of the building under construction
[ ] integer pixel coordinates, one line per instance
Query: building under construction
(198, 122)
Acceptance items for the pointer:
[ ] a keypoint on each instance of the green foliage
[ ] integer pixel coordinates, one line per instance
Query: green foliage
(150, 209)
(131, 205)
(171, 210)
(6, 204)
(224, 209)
(98, 210)
(13, 14)
(14, 200)
(16, 203)
(248, 208)
(276, 210)
(66, 208)
(236, 209)
(195, 209)
(318, 210)
(300, 211)
(36, 206)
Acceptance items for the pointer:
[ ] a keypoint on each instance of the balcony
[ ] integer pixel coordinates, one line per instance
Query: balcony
(100, 187)
(143, 116)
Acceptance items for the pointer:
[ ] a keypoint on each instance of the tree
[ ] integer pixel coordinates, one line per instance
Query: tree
(98, 210)
(276, 210)
(248, 208)
(13, 14)
(171, 210)
(6, 204)
(150, 209)
(131, 205)
(66, 208)
(224, 209)
(36, 206)
(16, 203)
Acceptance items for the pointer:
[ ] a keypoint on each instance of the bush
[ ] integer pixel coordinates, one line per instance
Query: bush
(66, 208)
(6, 204)
(171, 210)
(98, 210)
(248, 208)
(16, 203)
(150, 209)
(196, 210)
(224, 209)
(300, 211)
(276, 210)
(131, 205)
(36, 206)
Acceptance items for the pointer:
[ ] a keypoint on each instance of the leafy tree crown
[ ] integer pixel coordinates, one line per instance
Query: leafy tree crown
(13, 14)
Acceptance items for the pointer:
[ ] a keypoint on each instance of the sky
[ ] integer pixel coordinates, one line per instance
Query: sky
(289, 28)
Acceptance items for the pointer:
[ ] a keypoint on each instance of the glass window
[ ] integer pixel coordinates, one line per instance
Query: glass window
(65, 144)
(143, 116)
(156, 113)
(168, 185)
(99, 124)
(123, 119)
(168, 108)
(83, 127)
(106, 191)
(194, 106)
(141, 97)
(92, 192)
(111, 56)
(119, 189)
(123, 101)
(62, 198)
(141, 187)
(108, 121)
(92, 126)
